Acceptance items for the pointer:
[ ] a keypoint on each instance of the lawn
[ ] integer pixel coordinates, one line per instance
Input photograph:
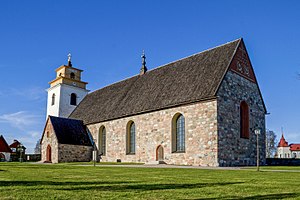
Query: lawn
(68, 181)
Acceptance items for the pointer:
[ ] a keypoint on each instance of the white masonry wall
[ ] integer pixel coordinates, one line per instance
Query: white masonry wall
(7, 156)
(62, 106)
(53, 109)
(283, 152)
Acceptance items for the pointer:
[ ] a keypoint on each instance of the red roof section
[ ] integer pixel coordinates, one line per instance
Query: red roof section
(295, 147)
(15, 144)
(282, 142)
(3, 145)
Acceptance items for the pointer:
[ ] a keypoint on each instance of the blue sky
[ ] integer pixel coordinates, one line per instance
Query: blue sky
(106, 39)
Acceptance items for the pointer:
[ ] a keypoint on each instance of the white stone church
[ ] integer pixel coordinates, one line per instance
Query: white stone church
(200, 110)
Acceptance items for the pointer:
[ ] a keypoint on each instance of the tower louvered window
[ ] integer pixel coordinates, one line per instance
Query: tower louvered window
(72, 75)
(53, 99)
(73, 100)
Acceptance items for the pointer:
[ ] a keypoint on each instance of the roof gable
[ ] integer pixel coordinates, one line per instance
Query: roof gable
(241, 65)
(15, 144)
(188, 80)
(70, 131)
(3, 145)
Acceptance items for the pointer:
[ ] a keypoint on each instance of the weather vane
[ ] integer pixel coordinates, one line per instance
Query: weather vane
(143, 58)
(69, 60)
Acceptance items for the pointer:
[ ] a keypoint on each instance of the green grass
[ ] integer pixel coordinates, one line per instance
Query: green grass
(69, 181)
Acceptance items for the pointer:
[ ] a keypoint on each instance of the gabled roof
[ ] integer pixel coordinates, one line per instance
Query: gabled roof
(191, 79)
(70, 131)
(3, 145)
(15, 144)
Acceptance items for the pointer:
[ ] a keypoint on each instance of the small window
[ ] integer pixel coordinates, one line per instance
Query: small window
(130, 138)
(244, 120)
(102, 141)
(73, 100)
(48, 134)
(53, 99)
(178, 133)
(72, 75)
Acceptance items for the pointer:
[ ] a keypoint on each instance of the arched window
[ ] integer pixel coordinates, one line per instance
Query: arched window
(130, 138)
(48, 134)
(73, 99)
(178, 133)
(53, 99)
(244, 120)
(72, 75)
(102, 140)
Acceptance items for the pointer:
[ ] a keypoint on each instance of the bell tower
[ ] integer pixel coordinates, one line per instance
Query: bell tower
(66, 91)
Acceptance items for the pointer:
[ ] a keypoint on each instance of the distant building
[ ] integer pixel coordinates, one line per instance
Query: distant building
(284, 150)
(18, 150)
(5, 151)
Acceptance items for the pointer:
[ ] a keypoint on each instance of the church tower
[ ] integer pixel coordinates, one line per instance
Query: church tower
(66, 91)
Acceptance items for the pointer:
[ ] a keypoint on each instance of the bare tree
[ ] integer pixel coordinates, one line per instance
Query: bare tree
(270, 144)
(37, 149)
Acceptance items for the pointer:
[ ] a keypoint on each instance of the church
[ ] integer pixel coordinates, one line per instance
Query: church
(201, 110)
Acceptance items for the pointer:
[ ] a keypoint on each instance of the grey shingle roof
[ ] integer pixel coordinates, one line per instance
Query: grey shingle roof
(70, 131)
(191, 79)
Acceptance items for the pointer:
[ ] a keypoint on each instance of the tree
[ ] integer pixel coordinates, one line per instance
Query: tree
(271, 142)
(37, 149)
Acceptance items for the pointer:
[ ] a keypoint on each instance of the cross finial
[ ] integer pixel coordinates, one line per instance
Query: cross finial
(144, 68)
(69, 60)
(143, 58)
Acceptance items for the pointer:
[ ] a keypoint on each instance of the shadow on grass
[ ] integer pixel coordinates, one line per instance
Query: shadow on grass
(266, 196)
(112, 186)
(149, 187)
(45, 183)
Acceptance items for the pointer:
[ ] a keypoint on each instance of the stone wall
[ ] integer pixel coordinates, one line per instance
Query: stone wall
(49, 139)
(155, 128)
(232, 149)
(74, 153)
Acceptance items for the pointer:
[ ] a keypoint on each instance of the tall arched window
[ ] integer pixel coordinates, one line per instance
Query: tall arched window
(178, 133)
(130, 138)
(244, 120)
(102, 140)
(53, 99)
(72, 75)
(73, 99)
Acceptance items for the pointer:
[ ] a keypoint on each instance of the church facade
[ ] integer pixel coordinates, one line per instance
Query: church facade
(201, 110)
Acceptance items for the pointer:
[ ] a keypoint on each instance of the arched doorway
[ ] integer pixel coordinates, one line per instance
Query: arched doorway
(48, 154)
(159, 153)
(2, 157)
